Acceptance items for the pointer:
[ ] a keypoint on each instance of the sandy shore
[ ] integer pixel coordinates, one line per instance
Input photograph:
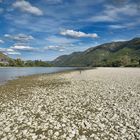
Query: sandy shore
(98, 104)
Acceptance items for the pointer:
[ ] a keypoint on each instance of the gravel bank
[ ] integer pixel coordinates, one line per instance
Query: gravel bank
(98, 104)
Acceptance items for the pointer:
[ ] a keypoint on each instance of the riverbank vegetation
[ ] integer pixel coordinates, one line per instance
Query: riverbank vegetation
(20, 63)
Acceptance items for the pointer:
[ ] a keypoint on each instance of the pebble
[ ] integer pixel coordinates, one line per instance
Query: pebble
(96, 104)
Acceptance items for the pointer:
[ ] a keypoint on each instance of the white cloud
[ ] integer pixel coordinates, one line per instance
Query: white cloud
(61, 50)
(1, 41)
(119, 40)
(77, 34)
(22, 48)
(17, 49)
(115, 13)
(117, 26)
(19, 37)
(125, 25)
(9, 51)
(13, 53)
(27, 7)
(55, 48)
(128, 9)
(103, 18)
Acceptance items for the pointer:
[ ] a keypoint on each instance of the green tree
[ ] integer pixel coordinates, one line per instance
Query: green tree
(19, 62)
(117, 63)
(12, 62)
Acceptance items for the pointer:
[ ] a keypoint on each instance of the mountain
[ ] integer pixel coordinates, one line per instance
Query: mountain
(4, 60)
(3, 56)
(123, 53)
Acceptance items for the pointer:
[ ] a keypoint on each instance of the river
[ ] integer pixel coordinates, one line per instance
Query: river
(9, 73)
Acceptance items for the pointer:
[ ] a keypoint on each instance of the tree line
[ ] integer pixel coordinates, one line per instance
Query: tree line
(20, 63)
(123, 61)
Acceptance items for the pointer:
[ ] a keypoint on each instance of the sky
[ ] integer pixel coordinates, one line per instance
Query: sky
(46, 29)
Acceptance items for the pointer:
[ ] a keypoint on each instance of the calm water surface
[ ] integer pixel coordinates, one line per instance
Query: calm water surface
(12, 73)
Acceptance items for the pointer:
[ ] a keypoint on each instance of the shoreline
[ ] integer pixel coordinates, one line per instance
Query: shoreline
(17, 77)
(24, 80)
(77, 69)
(63, 71)
(100, 103)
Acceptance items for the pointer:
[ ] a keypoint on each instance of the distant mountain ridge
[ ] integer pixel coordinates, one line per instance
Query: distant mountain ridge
(122, 53)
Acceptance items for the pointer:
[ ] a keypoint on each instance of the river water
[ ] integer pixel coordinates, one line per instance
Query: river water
(7, 73)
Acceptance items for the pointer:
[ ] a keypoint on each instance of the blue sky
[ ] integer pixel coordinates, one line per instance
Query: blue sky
(46, 29)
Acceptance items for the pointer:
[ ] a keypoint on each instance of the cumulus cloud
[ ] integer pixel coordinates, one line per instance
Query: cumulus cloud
(1, 41)
(25, 6)
(54, 48)
(22, 48)
(17, 49)
(78, 34)
(13, 53)
(9, 51)
(19, 37)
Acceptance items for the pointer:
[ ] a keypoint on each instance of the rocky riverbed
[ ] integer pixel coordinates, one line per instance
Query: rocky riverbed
(98, 104)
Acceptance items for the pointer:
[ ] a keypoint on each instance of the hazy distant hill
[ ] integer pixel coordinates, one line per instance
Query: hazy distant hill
(2, 56)
(4, 60)
(126, 53)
